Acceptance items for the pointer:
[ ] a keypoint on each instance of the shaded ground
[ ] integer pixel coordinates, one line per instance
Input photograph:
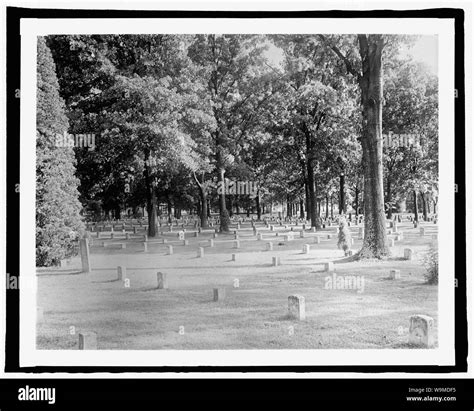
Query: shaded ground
(254, 315)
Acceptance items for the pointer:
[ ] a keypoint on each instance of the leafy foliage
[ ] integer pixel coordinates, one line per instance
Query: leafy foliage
(173, 112)
(58, 222)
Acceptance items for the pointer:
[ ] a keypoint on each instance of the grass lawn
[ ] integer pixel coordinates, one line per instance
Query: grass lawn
(254, 314)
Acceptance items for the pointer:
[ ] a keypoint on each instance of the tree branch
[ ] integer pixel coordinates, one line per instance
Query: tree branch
(350, 68)
(196, 180)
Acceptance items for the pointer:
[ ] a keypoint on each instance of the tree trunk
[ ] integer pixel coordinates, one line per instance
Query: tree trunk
(199, 206)
(117, 212)
(312, 194)
(259, 207)
(342, 194)
(230, 207)
(371, 84)
(415, 205)
(150, 200)
(357, 201)
(302, 209)
(327, 206)
(423, 204)
(204, 210)
(224, 214)
(389, 198)
(170, 207)
(308, 200)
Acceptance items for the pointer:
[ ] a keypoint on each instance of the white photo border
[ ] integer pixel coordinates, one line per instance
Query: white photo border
(442, 356)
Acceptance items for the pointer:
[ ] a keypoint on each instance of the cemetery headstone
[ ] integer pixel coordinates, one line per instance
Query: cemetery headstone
(329, 266)
(219, 294)
(395, 274)
(87, 341)
(162, 281)
(121, 273)
(85, 256)
(296, 307)
(421, 330)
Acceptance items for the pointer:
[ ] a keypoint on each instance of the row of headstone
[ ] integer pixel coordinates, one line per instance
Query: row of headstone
(421, 330)
(421, 327)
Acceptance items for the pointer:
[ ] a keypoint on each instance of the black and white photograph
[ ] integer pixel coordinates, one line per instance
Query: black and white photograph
(229, 192)
(220, 202)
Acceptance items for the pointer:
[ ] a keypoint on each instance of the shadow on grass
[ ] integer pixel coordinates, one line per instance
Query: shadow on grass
(106, 281)
(128, 268)
(396, 259)
(348, 259)
(356, 258)
(59, 272)
(148, 289)
(411, 346)
(287, 317)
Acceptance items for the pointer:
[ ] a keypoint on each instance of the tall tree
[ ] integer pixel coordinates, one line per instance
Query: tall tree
(368, 72)
(58, 220)
(235, 80)
(135, 92)
(410, 127)
(316, 112)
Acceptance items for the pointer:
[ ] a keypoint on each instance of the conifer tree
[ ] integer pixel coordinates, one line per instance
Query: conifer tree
(58, 222)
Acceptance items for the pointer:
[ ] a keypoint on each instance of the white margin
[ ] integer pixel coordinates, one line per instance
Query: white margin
(29, 356)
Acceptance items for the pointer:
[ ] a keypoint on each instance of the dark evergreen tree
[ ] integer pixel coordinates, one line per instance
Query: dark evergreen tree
(58, 222)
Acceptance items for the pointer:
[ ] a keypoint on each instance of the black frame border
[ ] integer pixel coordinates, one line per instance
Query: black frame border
(13, 16)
